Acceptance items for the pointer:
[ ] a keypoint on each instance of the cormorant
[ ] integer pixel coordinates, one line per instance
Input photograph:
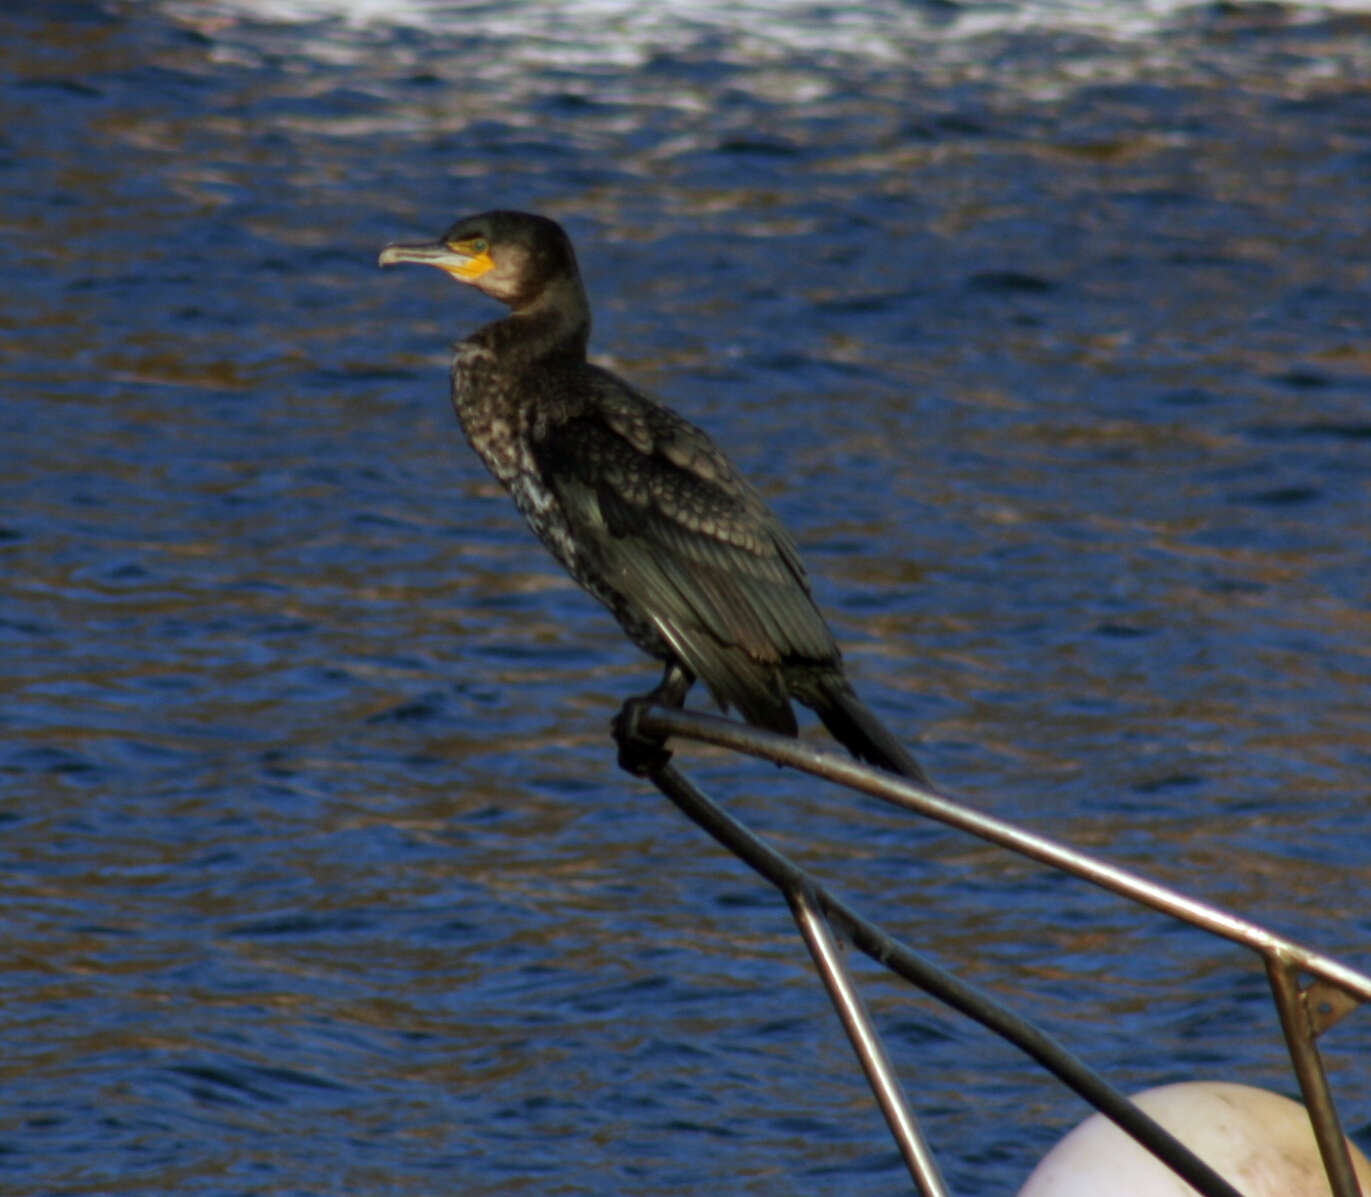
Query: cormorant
(639, 506)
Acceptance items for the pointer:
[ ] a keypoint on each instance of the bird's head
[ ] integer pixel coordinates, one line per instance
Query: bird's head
(511, 256)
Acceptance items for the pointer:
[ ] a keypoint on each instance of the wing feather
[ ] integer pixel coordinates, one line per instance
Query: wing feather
(671, 527)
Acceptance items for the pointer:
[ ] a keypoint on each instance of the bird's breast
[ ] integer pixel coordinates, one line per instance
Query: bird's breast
(497, 409)
(490, 403)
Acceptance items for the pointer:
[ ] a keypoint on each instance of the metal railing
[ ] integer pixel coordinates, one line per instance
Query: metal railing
(1305, 1012)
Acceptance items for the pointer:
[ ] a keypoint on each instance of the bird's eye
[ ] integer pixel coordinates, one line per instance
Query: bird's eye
(480, 244)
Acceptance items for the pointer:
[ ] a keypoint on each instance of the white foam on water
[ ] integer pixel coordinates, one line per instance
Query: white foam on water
(627, 30)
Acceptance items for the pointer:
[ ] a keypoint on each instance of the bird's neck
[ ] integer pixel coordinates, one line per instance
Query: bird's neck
(555, 325)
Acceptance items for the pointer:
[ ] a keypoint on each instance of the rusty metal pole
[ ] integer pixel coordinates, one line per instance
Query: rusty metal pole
(1304, 1055)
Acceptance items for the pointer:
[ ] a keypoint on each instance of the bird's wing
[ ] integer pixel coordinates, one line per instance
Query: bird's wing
(689, 543)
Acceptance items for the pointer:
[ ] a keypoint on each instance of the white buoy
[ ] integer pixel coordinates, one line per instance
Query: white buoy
(1260, 1142)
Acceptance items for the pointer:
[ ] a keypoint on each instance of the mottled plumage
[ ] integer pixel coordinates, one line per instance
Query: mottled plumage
(638, 505)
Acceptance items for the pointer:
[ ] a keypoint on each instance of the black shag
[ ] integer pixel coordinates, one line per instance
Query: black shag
(639, 506)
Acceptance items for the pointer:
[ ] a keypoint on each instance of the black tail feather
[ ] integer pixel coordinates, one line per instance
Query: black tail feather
(857, 729)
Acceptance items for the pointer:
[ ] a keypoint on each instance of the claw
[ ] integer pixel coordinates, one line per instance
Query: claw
(639, 754)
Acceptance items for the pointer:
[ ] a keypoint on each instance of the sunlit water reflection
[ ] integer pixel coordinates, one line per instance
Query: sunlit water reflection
(1043, 326)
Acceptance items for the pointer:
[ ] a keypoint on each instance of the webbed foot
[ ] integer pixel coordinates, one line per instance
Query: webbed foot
(639, 753)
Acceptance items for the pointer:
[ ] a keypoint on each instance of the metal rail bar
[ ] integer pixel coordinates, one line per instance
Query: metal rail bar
(711, 729)
(1304, 1014)
(1318, 1099)
(866, 1043)
(951, 990)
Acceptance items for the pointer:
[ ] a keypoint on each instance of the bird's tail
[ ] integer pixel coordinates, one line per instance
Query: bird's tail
(856, 727)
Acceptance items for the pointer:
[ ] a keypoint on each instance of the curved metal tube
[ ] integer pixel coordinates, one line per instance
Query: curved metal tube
(1338, 988)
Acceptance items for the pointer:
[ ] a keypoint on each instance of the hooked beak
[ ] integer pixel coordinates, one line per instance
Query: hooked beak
(464, 267)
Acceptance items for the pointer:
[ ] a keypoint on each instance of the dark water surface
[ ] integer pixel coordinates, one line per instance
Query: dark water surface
(1044, 327)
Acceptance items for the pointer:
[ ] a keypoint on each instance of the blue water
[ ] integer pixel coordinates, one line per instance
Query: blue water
(1042, 325)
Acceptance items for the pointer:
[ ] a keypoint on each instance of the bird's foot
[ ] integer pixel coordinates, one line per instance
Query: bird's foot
(639, 753)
